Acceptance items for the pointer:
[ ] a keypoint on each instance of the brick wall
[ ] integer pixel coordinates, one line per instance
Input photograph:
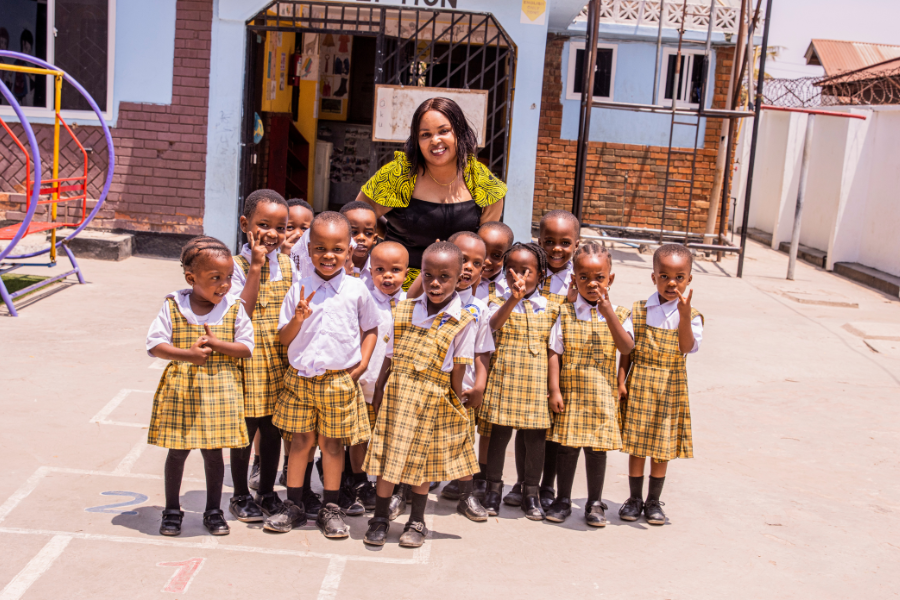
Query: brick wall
(160, 166)
(608, 164)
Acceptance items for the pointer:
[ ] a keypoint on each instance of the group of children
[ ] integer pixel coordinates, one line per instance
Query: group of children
(307, 338)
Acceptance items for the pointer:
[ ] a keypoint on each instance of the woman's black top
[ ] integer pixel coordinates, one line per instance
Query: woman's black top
(418, 225)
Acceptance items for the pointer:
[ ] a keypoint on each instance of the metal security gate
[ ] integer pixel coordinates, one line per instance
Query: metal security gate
(415, 47)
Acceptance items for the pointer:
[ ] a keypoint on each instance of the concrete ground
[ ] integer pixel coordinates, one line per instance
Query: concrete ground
(792, 494)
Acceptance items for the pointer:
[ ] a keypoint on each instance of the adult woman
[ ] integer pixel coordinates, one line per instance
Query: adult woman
(436, 187)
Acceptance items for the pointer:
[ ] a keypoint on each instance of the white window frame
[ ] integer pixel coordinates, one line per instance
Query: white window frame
(685, 77)
(574, 47)
(71, 116)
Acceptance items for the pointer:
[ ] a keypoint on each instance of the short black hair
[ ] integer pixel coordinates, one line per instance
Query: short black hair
(201, 246)
(357, 205)
(444, 248)
(565, 216)
(329, 217)
(300, 202)
(592, 249)
(502, 228)
(26, 36)
(540, 255)
(259, 196)
(667, 250)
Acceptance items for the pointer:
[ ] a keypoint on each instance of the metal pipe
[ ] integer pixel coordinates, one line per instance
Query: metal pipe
(801, 193)
(662, 16)
(587, 98)
(757, 106)
(714, 247)
(642, 230)
(715, 113)
(607, 237)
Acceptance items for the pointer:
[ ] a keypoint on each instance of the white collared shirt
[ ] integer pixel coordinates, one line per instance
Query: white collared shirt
(582, 313)
(484, 341)
(239, 278)
(161, 327)
(559, 282)
(329, 339)
(483, 290)
(538, 304)
(665, 316)
(365, 274)
(301, 263)
(382, 304)
(462, 346)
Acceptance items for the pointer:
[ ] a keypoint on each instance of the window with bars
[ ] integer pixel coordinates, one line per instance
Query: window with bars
(604, 74)
(687, 86)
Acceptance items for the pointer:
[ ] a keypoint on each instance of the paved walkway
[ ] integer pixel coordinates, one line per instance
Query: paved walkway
(792, 494)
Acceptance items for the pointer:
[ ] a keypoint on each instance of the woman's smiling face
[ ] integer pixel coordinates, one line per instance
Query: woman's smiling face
(437, 140)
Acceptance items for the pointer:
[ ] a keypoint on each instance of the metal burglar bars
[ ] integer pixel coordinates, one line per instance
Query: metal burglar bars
(415, 47)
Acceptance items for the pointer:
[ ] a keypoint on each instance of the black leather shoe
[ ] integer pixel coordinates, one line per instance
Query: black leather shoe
(292, 515)
(434, 485)
(531, 503)
(413, 535)
(514, 497)
(244, 509)
(595, 514)
(253, 479)
(492, 495)
(312, 503)
(350, 503)
(377, 532)
(451, 490)
(367, 495)
(480, 488)
(548, 495)
(398, 502)
(214, 521)
(331, 522)
(468, 504)
(270, 503)
(631, 510)
(654, 512)
(171, 522)
(559, 510)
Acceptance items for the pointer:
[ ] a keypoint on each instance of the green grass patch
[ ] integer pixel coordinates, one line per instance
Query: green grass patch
(14, 283)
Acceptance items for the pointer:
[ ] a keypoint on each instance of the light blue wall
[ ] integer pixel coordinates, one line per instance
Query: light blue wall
(633, 83)
(225, 103)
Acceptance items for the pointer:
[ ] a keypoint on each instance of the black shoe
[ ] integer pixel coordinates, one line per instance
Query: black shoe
(171, 522)
(480, 488)
(398, 502)
(514, 497)
(282, 479)
(367, 495)
(468, 504)
(433, 486)
(331, 521)
(312, 503)
(654, 512)
(595, 514)
(631, 510)
(413, 535)
(548, 495)
(559, 510)
(531, 503)
(351, 503)
(245, 509)
(492, 494)
(270, 503)
(377, 532)
(253, 480)
(292, 515)
(451, 490)
(214, 521)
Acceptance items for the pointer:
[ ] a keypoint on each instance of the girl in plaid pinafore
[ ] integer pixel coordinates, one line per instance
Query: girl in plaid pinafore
(583, 391)
(516, 393)
(199, 402)
(655, 414)
(262, 279)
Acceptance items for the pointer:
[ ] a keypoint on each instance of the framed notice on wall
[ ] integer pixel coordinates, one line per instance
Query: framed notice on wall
(395, 105)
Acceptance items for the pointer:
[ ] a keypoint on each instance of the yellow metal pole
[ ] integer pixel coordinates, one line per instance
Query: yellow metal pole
(34, 70)
(56, 100)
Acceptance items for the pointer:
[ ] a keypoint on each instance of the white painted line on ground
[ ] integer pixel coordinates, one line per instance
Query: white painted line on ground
(332, 579)
(22, 493)
(107, 410)
(36, 567)
(132, 457)
(159, 364)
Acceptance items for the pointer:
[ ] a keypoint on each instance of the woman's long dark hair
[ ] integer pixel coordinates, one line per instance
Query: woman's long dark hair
(466, 141)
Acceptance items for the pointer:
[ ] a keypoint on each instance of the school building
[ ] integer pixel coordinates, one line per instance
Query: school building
(188, 86)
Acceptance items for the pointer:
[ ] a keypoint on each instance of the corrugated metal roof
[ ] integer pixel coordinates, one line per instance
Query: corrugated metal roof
(839, 57)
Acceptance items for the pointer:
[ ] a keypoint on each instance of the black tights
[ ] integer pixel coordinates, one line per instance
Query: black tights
(269, 453)
(595, 465)
(215, 474)
(532, 451)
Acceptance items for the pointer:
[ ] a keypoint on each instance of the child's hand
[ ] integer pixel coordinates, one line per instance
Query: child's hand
(473, 397)
(257, 249)
(290, 240)
(517, 289)
(684, 304)
(212, 342)
(556, 402)
(604, 306)
(572, 291)
(623, 394)
(304, 307)
(200, 351)
(355, 372)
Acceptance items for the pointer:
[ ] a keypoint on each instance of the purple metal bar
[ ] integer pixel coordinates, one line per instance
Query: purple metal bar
(41, 284)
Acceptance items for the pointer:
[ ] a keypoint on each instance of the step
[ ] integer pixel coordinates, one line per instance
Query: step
(868, 276)
(806, 254)
(100, 245)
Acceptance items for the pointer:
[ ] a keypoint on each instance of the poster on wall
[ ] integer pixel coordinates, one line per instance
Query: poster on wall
(334, 68)
(350, 158)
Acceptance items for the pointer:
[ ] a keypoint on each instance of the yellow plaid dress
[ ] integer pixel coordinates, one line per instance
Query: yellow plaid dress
(422, 429)
(516, 392)
(546, 293)
(264, 371)
(656, 418)
(483, 427)
(587, 380)
(199, 407)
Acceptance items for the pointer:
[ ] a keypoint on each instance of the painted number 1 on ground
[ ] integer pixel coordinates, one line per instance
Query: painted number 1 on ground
(181, 580)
